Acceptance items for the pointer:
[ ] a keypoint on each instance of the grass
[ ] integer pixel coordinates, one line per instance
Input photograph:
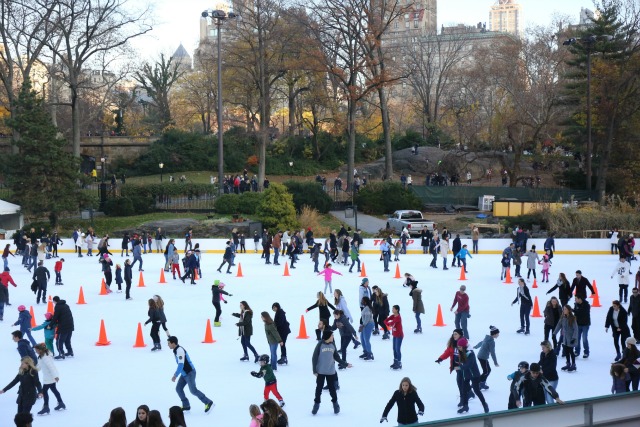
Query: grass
(204, 177)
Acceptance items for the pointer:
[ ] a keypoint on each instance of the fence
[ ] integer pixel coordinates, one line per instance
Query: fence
(202, 202)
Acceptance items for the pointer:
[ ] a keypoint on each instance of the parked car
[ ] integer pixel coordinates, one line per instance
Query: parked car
(412, 220)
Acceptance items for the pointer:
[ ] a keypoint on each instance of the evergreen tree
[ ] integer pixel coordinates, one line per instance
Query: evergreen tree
(276, 209)
(44, 174)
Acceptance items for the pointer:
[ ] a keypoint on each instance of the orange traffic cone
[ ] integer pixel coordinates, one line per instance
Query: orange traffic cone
(595, 289)
(33, 317)
(462, 274)
(535, 283)
(162, 279)
(596, 300)
(507, 279)
(286, 270)
(397, 275)
(81, 297)
(139, 337)
(302, 334)
(536, 308)
(102, 338)
(363, 271)
(439, 319)
(50, 305)
(208, 336)
(141, 281)
(103, 288)
(195, 274)
(239, 274)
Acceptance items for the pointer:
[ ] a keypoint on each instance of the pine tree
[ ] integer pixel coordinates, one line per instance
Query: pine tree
(276, 209)
(44, 176)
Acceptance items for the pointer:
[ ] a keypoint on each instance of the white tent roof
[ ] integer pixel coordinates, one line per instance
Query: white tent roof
(7, 208)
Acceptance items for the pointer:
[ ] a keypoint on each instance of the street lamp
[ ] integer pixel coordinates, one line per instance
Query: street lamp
(589, 42)
(161, 166)
(218, 17)
(103, 186)
(291, 170)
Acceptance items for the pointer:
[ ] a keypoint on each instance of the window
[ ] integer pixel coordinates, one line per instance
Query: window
(406, 24)
(415, 23)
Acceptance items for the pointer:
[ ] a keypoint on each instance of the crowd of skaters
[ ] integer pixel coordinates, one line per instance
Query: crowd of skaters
(532, 384)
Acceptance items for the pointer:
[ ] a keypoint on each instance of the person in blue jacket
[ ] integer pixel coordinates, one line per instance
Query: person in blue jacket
(470, 373)
(24, 349)
(186, 375)
(24, 321)
(49, 334)
(462, 257)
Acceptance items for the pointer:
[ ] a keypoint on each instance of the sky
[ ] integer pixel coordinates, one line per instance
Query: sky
(177, 23)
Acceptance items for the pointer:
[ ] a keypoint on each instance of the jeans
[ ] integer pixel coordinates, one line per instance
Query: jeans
(353, 261)
(190, 380)
(525, 309)
(54, 390)
(274, 356)
(136, 259)
(58, 277)
(345, 340)
(64, 340)
(547, 396)
(6, 262)
(276, 254)
(28, 334)
(461, 322)
(245, 340)
(418, 322)
(397, 344)
(475, 246)
(1, 310)
(385, 258)
(365, 337)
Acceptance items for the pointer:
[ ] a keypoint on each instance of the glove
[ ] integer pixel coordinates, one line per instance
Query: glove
(255, 374)
(421, 413)
(225, 301)
(383, 419)
(230, 295)
(438, 360)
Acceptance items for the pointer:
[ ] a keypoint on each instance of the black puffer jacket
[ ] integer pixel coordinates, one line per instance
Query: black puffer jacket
(29, 387)
(406, 406)
(62, 317)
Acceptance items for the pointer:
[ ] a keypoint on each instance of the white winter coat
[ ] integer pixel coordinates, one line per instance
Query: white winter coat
(48, 370)
(444, 248)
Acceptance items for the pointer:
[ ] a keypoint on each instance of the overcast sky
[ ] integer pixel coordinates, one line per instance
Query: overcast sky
(178, 21)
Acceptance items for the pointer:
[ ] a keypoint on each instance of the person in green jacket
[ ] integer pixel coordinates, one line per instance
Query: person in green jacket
(49, 334)
(355, 255)
(273, 338)
(270, 382)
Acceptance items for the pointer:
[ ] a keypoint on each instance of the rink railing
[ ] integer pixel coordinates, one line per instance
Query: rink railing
(619, 410)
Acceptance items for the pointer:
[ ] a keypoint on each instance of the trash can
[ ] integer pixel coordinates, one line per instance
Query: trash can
(349, 212)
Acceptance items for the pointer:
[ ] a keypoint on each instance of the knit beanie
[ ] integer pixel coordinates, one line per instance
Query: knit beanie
(493, 330)
(326, 334)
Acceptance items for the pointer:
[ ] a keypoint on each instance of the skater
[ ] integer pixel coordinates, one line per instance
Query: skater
(125, 244)
(216, 290)
(106, 270)
(226, 259)
(366, 328)
(49, 379)
(49, 334)
(24, 321)
(355, 255)
(128, 277)
(273, 415)
(394, 322)
(245, 330)
(487, 348)
(470, 373)
(176, 414)
(506, 265)
(141, 417)
(517, 261)
(380, 304)
(282, 325)
(188, 238)
(62, 320)
(256, 416)
(580, 285)
(7, 252)
(406, 397)
(515, 394)
(408, 279)
(548, 365)
(461, 299)
(444, 251)
(568, 329)
(418, 306)
(475, 236)
(5, 279)
(186, 375)
(324, 369)
(137, 255)
(452, 353)
(617, 321)
(323, 307)
(623, 271)
(552, 315)
(328, 272)
(433, 250)
(30, 388)
(24, 347)
(58, 270)
(630, 357)
(315, 256)
(160, 303)
(175, 265)
(158, 240)
(456, 247)
(532, 258)
(397, 250)
(582, 311)
(190, 263)
(341, 304)
(385, 254)
(347, 332)
(41, 276)
(156, 318)
(273, 338)
(564, 289)
(364, 291)
(524, 298)
(462, 257)
(620, 378)
(119, 277)
(546, 264)
(534, 387)
(634, 310)
(270, 382)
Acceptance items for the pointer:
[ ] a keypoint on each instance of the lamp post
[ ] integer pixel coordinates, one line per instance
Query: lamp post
(589, 42)
(290, 170)
(218, 17)
(103, 186)
(161, 166)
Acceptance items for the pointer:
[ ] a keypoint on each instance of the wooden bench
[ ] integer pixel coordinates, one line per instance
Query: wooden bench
(489, 226)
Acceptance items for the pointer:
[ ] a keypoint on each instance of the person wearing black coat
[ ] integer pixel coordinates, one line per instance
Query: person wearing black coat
(425, 239)
(564, 290)
(406, 397)
(524, 298)
(580, 285)
(216, 291)
(128, 277)
(582, 311)
(41, 276)
(156, 318)
(456, 246)
(552, 315)
(63, 320)
(30, 388)
(282, 326)
(226, 259)
(323, 307)
(634, 310)
(548, 365)
(617, 320)
(534, 386)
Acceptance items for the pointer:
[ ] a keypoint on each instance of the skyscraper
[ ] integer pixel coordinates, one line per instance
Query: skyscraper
(506, 17)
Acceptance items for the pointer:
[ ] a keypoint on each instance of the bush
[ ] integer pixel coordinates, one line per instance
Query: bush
(310, 218)
(276, 209)
(244, 203)
(119, 206)
(385, 197)
(309, 194)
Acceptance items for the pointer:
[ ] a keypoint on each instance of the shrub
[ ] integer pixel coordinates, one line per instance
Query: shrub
(276, 209)
(119, 206)
(309, 194)
(245, 203)
(310, 217)
(386, 197)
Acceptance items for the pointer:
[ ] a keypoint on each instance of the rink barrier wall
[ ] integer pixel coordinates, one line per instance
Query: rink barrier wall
(371, 246)
(619, 410)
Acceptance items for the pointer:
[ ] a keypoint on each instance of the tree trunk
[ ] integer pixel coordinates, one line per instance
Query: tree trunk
(75, 119)
(603, 167)
(386, 132)
(351, 159)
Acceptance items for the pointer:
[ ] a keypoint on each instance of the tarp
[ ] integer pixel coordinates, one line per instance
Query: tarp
(7, 208)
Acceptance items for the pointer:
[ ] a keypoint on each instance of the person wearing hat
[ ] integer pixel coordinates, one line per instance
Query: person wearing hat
(364, 291)
(533, 386)
(451, 353)
(515, 394)
(487, 347)
(24, 321)
(216, 291)
(323, 363)
(49, 334)
(630, 357)
(470, 373)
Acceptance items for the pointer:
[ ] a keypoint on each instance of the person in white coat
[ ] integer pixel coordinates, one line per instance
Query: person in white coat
(622, 270)
(49, 378)
(444, 250)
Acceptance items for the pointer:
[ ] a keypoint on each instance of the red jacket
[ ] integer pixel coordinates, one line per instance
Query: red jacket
(449, 353)
(462, 300)
(58, 266)
(395, 324)
(6, 278)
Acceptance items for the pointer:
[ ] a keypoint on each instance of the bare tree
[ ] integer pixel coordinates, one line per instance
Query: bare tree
(157, 80)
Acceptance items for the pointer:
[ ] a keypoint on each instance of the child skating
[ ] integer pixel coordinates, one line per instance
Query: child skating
(58, 270)
(328, 273)
(506, 265)
(49, 334)
(546, 263)
(270, 382)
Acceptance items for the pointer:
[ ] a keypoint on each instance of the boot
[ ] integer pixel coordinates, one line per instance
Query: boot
(396, 366)
(316, 406)
(244, 358)
(376, 332)
(484, 386)
(566, 367)
(463, 410)
(572, 368)
(60, 407)
(283, 361)
(156, 346)
(519, 331)
(385, 336)
(217, 324)
(281, 403)
(336, 408)
(485, 405)
(44, 411)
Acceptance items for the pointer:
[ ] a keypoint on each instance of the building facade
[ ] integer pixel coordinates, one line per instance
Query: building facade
(506, 17)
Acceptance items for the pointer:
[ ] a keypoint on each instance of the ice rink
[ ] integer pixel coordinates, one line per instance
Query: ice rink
(98, 378)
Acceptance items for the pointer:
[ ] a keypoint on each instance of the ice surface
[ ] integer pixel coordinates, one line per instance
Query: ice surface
(101, 378)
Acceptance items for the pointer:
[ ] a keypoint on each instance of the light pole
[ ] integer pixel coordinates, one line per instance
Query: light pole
(290, 170)
(103, 185)
(161, 167)
(218, 17)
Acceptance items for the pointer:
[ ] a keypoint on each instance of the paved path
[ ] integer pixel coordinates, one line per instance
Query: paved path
(367, 223)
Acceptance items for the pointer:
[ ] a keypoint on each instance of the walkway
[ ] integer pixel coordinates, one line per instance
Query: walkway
(367, 223)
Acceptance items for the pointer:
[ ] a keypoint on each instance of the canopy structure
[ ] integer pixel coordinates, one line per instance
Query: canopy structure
(11, 218)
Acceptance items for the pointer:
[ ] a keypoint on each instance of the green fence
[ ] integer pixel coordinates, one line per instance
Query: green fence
(468, 195)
